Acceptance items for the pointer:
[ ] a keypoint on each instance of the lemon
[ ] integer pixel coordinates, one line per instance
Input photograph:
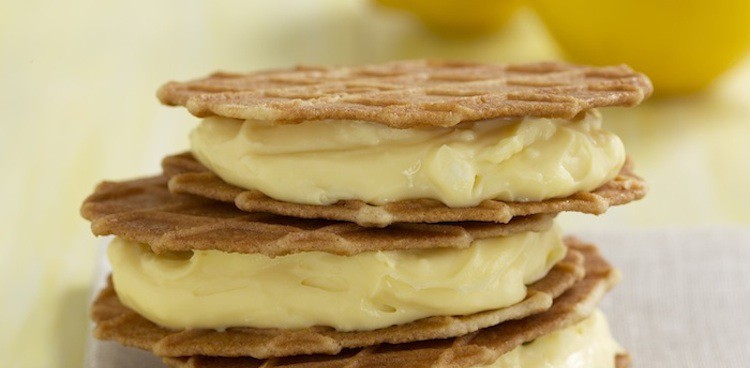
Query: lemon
(682, 45)
(457, 18)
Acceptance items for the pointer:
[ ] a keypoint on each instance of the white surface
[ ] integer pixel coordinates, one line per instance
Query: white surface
(683, 301)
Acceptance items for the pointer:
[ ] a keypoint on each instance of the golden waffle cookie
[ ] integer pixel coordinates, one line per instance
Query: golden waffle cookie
(621, 361)
(474, 348)
(408, 94)
(117, 322)
(144, 210)
(188, 176)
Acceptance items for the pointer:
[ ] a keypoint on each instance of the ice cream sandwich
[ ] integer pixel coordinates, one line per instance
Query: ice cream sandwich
(387, 215)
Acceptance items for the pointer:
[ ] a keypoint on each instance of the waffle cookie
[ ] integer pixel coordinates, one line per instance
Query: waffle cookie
(390, 215)
(144, 210)
(621, 361)
(410, 94)
(188, 176)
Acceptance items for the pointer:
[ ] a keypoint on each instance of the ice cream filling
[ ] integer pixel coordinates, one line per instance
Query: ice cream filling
(322, 162)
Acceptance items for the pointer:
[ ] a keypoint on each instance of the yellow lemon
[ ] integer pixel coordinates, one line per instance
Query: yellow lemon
(455, 18)
(682, 45)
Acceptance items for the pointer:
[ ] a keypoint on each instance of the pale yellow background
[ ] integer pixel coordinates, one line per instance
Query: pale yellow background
(77, 83)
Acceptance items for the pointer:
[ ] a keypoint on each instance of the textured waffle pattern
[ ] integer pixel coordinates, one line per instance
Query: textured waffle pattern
(481, 347)
(188, 176)
(144, 210)
(411, 93)
(109, 315)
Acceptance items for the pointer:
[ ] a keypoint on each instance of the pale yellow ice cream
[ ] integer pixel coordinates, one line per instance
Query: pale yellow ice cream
(213, 289)
(587, 344)
(321, 162)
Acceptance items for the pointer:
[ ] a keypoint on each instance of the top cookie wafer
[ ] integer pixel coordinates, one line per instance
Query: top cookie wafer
(408, 94)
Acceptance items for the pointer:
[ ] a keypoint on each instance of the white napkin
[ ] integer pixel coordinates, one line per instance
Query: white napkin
(684, 301)
(685, 297)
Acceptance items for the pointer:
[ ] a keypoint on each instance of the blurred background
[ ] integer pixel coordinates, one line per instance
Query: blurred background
(78, 77)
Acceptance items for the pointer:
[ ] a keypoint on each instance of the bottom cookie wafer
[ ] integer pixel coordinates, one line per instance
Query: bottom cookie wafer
(621, 361)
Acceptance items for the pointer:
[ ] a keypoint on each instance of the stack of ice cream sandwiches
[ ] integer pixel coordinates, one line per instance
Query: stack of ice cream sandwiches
(391, 215)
